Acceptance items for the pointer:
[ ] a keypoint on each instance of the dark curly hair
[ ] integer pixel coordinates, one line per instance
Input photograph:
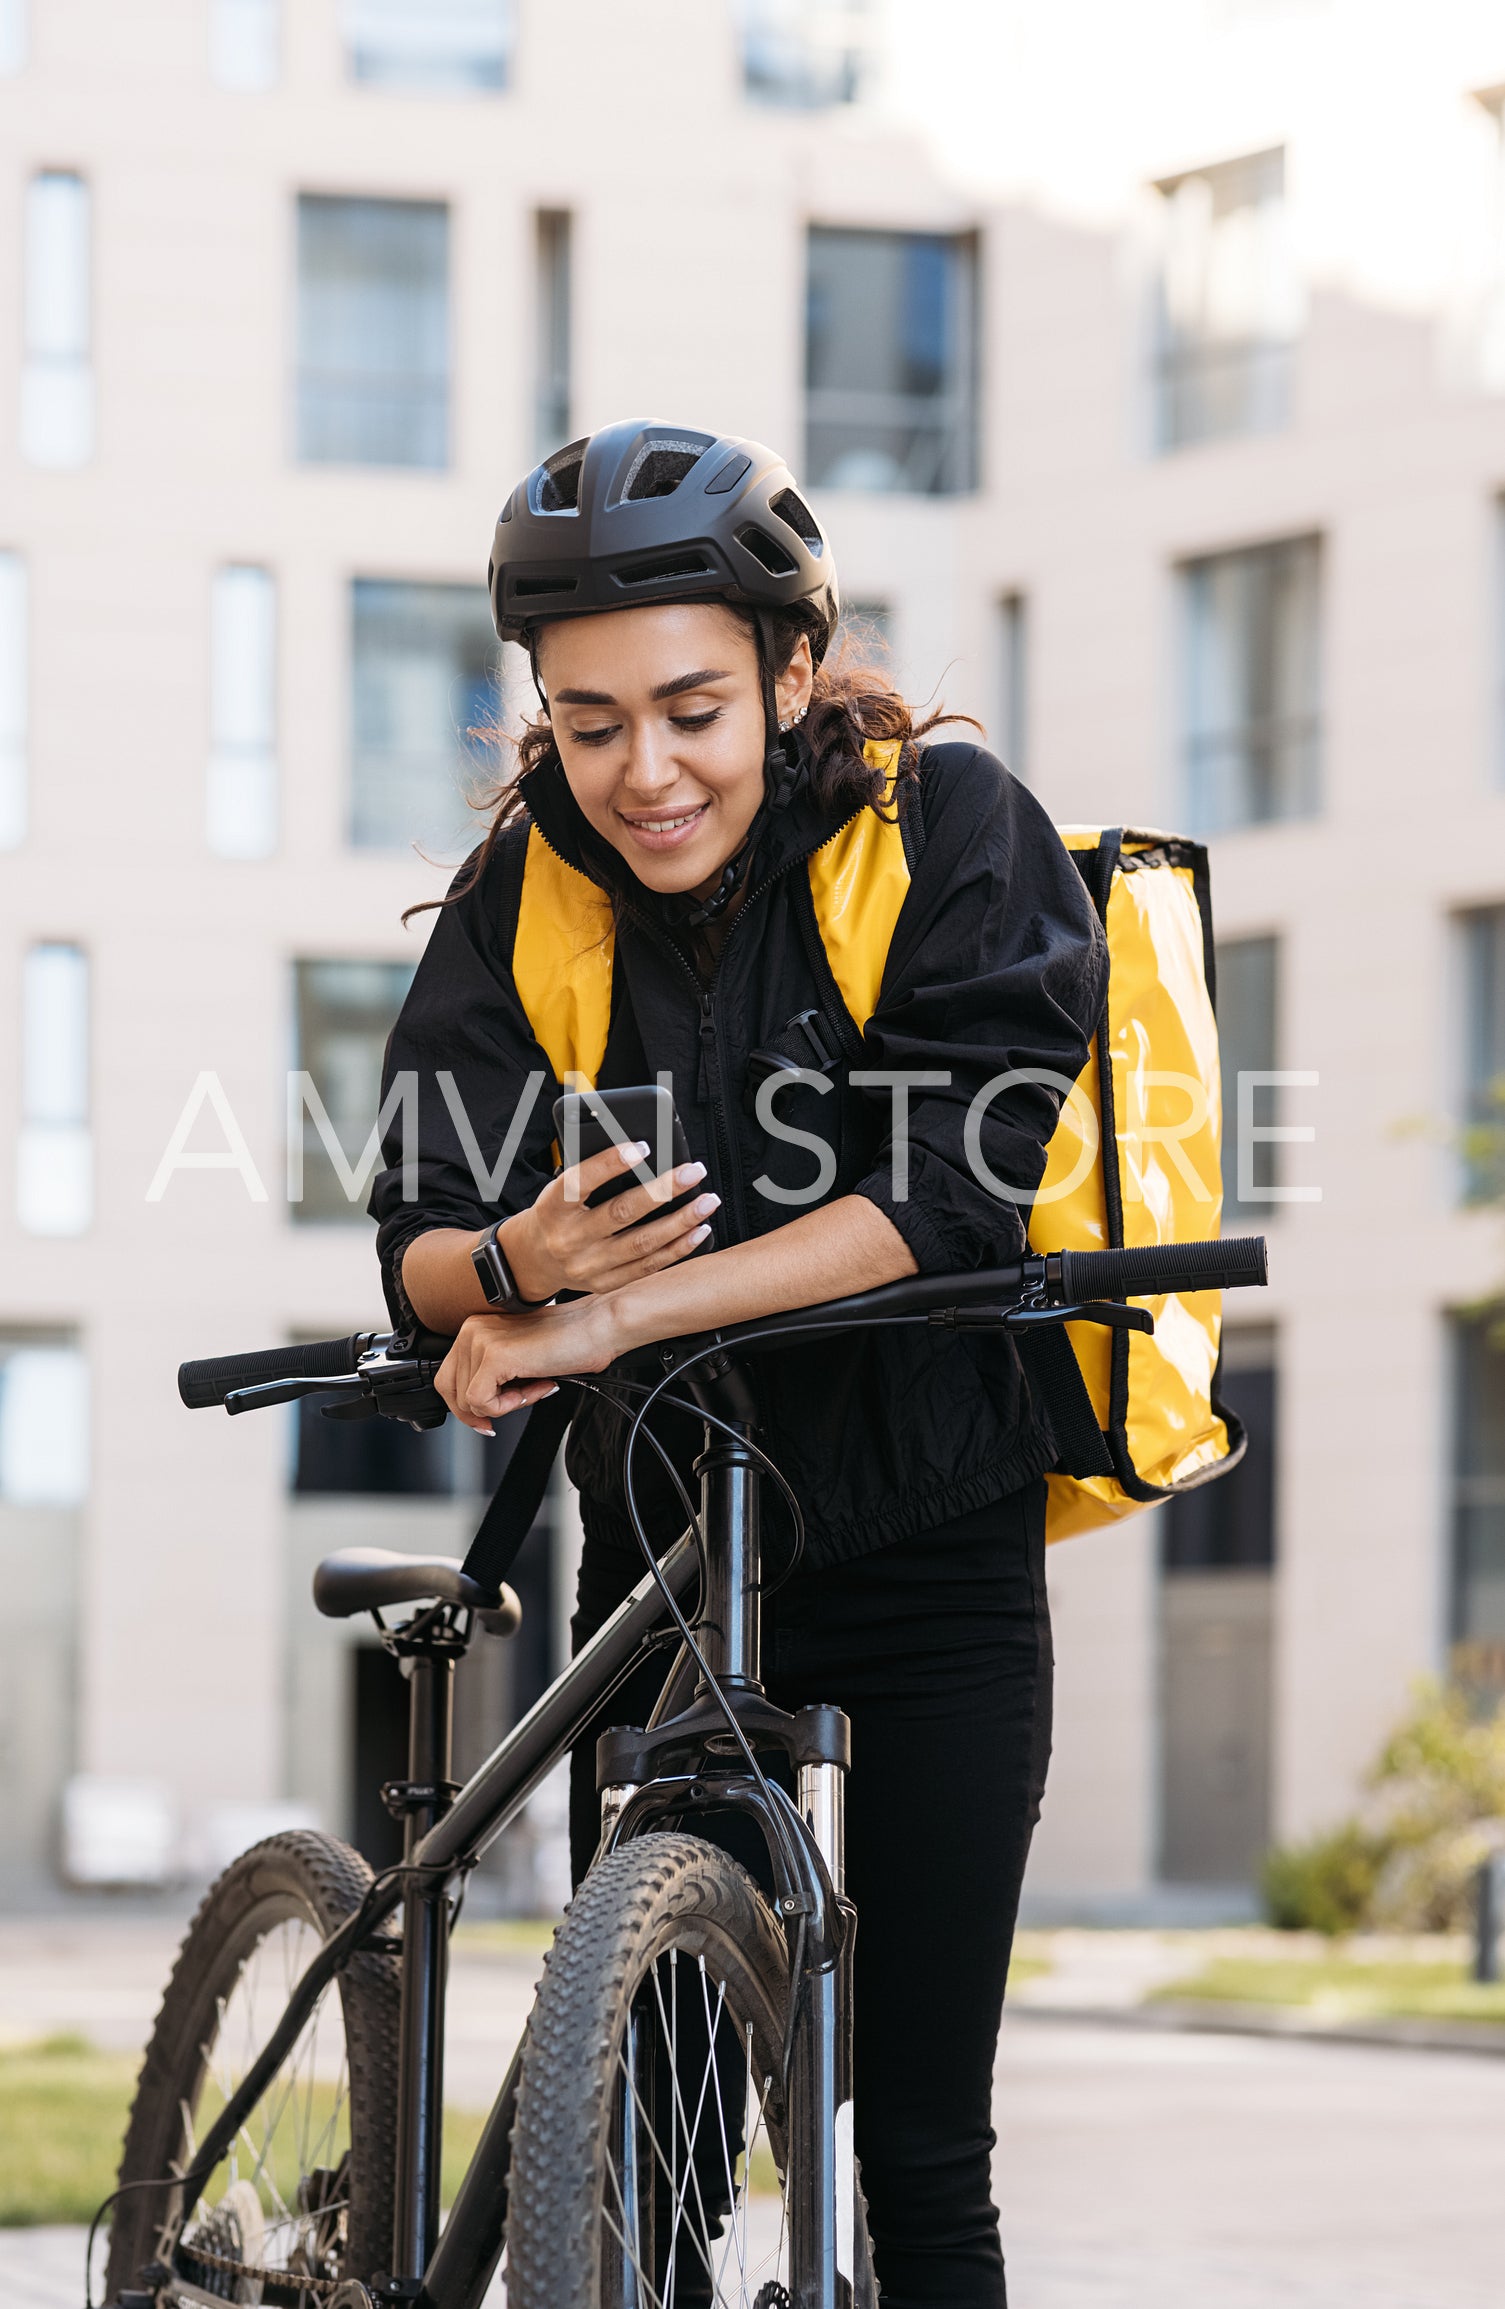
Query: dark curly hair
(852, 701)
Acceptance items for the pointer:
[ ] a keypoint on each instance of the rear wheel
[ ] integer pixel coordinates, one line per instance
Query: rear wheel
(651, 2157)
(304, 2195)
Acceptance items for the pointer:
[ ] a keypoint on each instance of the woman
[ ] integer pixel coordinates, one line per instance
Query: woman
(666, 855)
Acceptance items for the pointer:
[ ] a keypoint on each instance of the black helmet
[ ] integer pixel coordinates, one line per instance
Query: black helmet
(641, 512)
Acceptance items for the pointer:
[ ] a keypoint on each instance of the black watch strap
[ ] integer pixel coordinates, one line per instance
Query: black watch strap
(496, 1278)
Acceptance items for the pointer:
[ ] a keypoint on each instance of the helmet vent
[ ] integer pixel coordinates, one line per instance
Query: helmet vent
(662, 567)
(533, 588)
(558, 486)
(767, 550)
(659, 467)
(801, 520)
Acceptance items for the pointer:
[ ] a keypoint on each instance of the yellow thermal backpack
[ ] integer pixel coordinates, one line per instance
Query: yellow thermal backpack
(1134, 1158)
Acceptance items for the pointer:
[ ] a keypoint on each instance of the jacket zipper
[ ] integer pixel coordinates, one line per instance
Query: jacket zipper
(725, 1145)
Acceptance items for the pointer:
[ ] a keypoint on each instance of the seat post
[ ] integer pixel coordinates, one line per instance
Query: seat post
(429, 1666)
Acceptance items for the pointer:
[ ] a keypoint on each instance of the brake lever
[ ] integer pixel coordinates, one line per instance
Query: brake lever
(1106, 1312)
(289, 1391)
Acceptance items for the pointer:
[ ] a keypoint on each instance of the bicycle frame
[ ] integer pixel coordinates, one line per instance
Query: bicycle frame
(452, 2270)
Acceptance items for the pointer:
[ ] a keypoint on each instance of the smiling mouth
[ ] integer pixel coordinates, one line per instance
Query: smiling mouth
(668, 822)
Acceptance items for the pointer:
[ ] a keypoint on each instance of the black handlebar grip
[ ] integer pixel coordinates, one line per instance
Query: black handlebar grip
(1148, 1269)
(204, 1384)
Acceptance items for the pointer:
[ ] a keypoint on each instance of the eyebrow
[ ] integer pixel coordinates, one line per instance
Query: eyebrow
(664, 689)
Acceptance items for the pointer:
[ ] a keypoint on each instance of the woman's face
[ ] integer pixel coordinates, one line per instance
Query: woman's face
(658, 716)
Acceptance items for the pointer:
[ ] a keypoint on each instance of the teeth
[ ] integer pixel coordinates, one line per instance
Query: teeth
(665, 825)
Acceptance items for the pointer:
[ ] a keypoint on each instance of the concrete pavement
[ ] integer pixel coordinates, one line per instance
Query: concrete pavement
(1135, 2170)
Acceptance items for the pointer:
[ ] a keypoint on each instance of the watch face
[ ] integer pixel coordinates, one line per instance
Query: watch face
(495, 1275)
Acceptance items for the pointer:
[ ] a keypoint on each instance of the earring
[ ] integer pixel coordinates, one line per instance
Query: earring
(784, 728)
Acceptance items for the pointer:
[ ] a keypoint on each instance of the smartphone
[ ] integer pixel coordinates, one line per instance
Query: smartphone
(587, 1122)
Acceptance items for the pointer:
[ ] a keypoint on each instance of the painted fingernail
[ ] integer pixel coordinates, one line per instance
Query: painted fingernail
(699, 1236)
(703, 1205)
(635, 1152)
(689, 1174)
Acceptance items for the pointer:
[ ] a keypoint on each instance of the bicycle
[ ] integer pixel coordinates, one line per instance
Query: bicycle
(676, 2124)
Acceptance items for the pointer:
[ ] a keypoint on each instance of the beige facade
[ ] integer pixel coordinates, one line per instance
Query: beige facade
(689, 207)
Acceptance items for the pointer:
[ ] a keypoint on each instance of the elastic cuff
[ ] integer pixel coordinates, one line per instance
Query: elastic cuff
(908, 1220)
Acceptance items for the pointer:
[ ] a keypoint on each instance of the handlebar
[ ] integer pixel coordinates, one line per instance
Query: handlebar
(395, 1373)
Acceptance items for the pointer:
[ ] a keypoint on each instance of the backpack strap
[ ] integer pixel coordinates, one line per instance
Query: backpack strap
(1055, 1378)
(514, 1505)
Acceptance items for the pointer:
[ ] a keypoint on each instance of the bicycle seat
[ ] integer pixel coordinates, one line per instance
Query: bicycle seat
(361, 1579)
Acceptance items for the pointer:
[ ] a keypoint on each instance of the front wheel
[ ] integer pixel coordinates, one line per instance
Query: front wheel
(652, 2157)
(304, 2195)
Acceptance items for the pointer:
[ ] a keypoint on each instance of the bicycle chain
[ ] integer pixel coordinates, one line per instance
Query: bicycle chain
(227, 2261)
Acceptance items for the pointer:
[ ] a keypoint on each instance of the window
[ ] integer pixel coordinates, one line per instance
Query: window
(1230, 303)
(12, 35)
(371, 1457)
(1230, 1525)
(805, 53)
(889, 361)
(1482, 939)
(244, 37)
(429, 45)
(1013, 684)
(424, 670)
(1251, 685)
(44, 1421)
(551, 417)
(1217, 1643)
(54, 1181)
(1248, 971)
(241, 794)
(373, 332)
(13, 689)
(1478, 1600)
(57, 377)
(345, 1012)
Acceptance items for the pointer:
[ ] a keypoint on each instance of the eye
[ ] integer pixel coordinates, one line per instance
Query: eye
(597, 737)
(696, 721)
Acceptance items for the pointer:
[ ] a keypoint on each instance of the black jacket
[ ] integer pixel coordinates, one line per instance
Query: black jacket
(997, 962)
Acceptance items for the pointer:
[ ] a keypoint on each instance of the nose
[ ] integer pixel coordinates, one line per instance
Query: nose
(651, 770)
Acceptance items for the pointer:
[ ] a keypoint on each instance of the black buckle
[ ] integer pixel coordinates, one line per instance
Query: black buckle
(802, 1048)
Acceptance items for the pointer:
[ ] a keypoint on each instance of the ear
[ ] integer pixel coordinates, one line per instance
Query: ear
(793, 686)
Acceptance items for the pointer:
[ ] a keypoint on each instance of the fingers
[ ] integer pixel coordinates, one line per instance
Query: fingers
(478, 1381)
(636, 1203)
(599, 1170)
(659, 1245)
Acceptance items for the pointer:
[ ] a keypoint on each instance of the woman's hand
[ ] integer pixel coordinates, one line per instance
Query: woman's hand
(501, 1363)
(560, 1245)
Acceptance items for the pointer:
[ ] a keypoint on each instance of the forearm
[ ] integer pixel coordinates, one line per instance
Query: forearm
(846, 1246)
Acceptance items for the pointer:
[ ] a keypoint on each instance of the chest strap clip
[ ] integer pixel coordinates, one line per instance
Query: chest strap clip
(803, 1046)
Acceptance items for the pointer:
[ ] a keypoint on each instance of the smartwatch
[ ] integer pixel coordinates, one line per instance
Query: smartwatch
(497, 1281)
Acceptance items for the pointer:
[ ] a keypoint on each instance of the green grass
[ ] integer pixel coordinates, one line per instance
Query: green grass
(63, 2109)
(1343, 1988)
(62, 2118)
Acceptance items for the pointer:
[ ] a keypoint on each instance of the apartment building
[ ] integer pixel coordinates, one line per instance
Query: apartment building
(1132, 439)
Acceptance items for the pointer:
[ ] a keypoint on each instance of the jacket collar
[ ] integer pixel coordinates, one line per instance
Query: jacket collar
(788, 835)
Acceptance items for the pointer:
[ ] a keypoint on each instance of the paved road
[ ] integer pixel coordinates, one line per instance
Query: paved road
(1136, 2170)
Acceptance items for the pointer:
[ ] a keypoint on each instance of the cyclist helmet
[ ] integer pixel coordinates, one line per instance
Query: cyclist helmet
(643, 513)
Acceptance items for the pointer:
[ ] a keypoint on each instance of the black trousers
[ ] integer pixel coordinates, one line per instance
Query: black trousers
(939, 1651)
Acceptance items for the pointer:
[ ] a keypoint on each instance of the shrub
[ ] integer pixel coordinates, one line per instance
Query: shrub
(1408, 1860)
(1325, 1885)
